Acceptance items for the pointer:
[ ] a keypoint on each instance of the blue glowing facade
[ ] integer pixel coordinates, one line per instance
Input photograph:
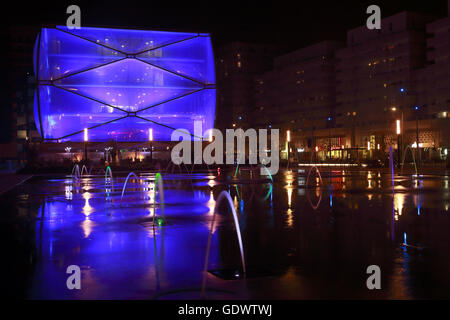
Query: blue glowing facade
(120, 83)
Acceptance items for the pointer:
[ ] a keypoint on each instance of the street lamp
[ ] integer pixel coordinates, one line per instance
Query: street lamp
(418, 155)
(398, 131)
(329, 124)
(211, 135)
(150, 138)
(288, 139)
(85, 143)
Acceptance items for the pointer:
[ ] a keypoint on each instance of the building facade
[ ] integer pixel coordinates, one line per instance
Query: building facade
(298, 95)
(18, 131)
(104, 84)
(237, 63)
(376, 81)
(343, 101)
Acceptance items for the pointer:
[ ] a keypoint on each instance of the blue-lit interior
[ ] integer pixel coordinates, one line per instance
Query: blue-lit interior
(120, 83)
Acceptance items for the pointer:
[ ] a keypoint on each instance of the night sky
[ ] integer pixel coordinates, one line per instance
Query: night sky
(290, 24)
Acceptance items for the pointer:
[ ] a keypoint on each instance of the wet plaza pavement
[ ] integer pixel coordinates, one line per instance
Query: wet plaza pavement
(303, 238)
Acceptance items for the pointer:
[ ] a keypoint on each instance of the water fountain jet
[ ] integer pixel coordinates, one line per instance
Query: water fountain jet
(159, 183)
(84, 169)
(108, 170)
(404, 156)
(125, 184)
(307, 184)
(76, 172)
(223, 195)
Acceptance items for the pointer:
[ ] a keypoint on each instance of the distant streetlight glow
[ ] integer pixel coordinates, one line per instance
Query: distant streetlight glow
(398, 126)
(85, 134)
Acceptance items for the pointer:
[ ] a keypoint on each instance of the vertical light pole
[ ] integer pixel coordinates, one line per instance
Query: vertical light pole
(398, 131)
(313, 144)
(210, 135)
(288, 139)
(329, 138)
(85, 143)
(418, 155)
(150, 138)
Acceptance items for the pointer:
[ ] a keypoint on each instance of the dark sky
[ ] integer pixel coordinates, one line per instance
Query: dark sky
(291, 24)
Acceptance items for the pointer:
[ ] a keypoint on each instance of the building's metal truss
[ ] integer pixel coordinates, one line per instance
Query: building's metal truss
(125, 55)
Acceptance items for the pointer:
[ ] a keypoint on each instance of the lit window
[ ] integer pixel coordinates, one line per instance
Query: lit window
(21, 134)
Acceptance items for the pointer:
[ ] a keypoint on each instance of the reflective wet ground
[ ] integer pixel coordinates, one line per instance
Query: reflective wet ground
(303, 238)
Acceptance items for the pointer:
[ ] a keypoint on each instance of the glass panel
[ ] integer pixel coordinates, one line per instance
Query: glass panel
(181, 113)
(127, 129)
(129, 41)
(192, 58)
(129, 84)
(62, 54)
(36, 114)
(64, 113)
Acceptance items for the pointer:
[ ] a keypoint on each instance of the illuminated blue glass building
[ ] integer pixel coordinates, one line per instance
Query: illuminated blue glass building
(120, 83)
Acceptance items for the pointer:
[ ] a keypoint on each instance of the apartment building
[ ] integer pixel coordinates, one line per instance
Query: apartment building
(299, 95)
(236, 65)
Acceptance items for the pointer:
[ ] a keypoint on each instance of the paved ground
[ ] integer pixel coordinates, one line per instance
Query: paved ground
(10, 180)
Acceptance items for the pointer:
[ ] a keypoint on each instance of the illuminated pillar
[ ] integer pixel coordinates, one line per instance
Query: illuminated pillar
(398, 131)
(85, 144)
(150, 138)
(288, 139)
(418, 153)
